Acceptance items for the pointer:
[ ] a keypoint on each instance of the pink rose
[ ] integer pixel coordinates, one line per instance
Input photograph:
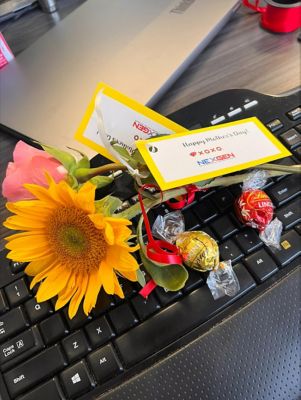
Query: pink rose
(29, 166)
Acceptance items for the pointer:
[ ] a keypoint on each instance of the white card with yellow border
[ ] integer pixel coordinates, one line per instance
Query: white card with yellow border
(123, 121)
(185, 158)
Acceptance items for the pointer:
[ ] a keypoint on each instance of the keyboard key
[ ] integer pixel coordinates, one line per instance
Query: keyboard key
(176, 320)
(16, 266)
(298, 128)
(129, 288)
(230, 251)
(104, 303)
(3, 303)
(274, 125)
(290, 214)
(78, 320)
(297, 153)
(145, 307)
(291, 138)
(248, 240)
(205, 211)
(223, 199)
(209, 232)
(11, 323)
(290, 248)
(191, 221)
(76, 380)
(294, 114)
(261, 265)
(167, 297)
(16, 346)
(23, 355)
(298, 228)
(17, 292)
(47, 391)
(195, 280)
(285, 190)
(6, 275)
(283, 161)
(75, 346)
(223, 227)
(99, 331)
(53, 328)
(104, 363)
(31, 372)
(122, 318)
(38, 311)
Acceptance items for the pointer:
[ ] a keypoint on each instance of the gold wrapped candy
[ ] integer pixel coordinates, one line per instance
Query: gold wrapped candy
(199, 250)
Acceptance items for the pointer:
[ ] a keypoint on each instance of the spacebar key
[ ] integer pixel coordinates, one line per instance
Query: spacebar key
(176, 320)
(34, 370)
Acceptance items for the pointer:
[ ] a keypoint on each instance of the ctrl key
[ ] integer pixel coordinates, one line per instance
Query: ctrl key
(104, 363)
(47, 391)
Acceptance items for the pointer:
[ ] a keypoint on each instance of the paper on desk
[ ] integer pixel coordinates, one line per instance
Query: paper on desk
(123, 121)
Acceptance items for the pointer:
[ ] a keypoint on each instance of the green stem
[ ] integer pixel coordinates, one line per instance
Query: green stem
(84, 174)
(273, 170)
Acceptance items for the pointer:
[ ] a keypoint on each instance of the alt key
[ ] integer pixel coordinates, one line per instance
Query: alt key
(104, 363)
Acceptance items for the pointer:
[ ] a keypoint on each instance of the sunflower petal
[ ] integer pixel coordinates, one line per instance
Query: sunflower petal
(56, 280)
(85, 197)
(65, 295)
(107, 277)
(35, 267)
(130, 275)
(93, 289)
(117, 288)
(78, 296)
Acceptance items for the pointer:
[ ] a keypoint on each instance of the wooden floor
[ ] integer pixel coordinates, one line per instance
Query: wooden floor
(243, 55)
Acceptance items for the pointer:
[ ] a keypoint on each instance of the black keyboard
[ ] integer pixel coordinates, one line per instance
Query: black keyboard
(44, 355)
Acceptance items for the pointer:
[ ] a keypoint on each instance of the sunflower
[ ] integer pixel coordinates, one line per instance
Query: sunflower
(72, 250)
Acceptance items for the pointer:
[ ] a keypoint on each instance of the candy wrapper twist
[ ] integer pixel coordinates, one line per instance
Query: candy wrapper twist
(254, 208)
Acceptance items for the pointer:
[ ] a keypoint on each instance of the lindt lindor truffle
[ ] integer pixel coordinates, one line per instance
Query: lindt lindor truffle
(255, 209)
(199, 250)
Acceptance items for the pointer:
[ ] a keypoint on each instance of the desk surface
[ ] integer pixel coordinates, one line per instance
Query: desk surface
(243, 55)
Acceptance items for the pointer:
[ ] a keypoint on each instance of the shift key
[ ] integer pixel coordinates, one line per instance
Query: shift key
(31, 372)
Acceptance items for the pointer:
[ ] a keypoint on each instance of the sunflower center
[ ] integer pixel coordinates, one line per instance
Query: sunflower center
(75, 240)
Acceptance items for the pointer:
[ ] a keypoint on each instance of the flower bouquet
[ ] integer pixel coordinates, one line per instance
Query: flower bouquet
(75, 243)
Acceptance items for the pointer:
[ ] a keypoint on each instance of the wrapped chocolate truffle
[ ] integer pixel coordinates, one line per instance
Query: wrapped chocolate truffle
(254, 208)
(199, 251)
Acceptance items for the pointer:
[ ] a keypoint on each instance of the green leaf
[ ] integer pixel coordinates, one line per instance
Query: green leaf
(108, 205)
(169, 276)
(122, 151)
(84, 162)
(72, 181)
(101, 181)
(68, 161)
(141, 277)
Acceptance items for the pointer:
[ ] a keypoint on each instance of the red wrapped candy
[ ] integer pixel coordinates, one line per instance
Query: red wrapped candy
(254, 208)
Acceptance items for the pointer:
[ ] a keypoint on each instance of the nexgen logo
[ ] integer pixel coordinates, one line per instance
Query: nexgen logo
(143, 128)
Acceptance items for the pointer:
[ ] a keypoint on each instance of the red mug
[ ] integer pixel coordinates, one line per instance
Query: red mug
(278, 15)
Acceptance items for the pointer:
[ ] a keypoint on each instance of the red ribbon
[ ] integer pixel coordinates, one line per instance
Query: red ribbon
(148, 288)
(157, 250)
(186, 199)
